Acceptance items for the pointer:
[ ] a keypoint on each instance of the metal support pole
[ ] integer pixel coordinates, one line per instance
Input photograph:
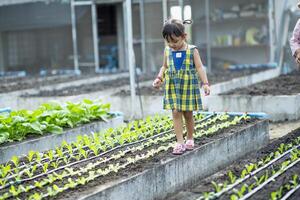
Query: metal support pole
(143, 39)
(74, 38)
(180, 2)
(95, 36)
(271, 30)
(165, 10)
(131, 64)
(208, 36)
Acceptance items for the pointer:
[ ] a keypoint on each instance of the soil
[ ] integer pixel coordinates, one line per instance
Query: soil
(21, 83)
(283, 85)
(150, 163)
(214, 78)
(237, 166)
(88, 88)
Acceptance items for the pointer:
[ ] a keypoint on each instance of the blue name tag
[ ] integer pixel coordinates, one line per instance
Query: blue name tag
(178, 58)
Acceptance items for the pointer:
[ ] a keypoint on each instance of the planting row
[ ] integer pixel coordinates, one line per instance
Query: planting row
(87, 147)
(50, 118)
(37, 181)
(279, 170)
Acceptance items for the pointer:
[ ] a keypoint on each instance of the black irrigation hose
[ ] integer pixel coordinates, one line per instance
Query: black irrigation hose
(94, 157)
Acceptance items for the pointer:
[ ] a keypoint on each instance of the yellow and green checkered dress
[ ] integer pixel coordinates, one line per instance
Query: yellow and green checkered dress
(182, 91)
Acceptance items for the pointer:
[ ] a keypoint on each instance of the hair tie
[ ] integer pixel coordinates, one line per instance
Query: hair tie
(187, 21)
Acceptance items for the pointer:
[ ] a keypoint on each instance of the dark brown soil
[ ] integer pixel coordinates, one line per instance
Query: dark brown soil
(88, 88)
(21, 83)
(214, 78)
(283, 85)
(237, 166)
(150, 163)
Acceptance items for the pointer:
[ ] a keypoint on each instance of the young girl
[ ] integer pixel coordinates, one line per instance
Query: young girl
(182, 93)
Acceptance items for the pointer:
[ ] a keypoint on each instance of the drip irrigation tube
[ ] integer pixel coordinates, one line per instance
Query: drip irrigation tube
(24, 165)
(75, 149)
(239, 181)
(290, 193)
(272, 178)
(94, 157)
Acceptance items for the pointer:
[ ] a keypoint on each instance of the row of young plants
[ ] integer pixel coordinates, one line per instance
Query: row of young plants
(50, 154)
(84, 147)
(287, 189)
(88, 172)
(50, 117)
(255, 176)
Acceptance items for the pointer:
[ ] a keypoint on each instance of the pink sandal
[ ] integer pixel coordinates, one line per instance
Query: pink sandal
(189, 145)
(179, 149)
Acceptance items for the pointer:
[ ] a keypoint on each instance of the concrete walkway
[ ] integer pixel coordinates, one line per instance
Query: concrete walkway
(281, 129)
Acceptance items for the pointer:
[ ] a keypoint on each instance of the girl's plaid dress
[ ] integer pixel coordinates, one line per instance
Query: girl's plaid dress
(182, 91)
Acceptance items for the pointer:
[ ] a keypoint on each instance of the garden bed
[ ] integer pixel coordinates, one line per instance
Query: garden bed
(283, 85)
(88, 87)
(21, 83)
(278, 97)
(217, 76)
(275, 189)
(125, 170)
(51, 141)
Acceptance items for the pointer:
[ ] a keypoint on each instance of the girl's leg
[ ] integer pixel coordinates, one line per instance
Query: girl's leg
(190, 124)
(178, 126)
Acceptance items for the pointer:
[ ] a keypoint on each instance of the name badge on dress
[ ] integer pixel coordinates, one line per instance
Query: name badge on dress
(178, 55)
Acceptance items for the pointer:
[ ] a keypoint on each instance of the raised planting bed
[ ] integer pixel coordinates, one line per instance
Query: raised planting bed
(269, 173)
(133, 162)
(51, 141)
(152, 99)
(12, 98)
(21, 83)
(44, 128)
(216, 77)
(278, 97)
(88, 87)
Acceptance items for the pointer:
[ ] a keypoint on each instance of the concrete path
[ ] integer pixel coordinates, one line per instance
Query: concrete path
(281, 129)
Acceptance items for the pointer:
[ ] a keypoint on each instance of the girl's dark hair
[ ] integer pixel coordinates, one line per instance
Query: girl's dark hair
(174, 27)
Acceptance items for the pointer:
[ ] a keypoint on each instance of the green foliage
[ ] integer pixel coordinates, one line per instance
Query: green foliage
(50, 117)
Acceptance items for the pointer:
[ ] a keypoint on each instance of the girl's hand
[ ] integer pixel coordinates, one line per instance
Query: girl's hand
(206, 89)
(157, 83)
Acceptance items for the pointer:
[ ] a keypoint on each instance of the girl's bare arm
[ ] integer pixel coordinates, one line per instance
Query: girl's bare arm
(199, 67)
(163, 68)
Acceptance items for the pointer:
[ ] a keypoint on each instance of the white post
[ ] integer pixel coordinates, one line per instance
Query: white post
(131, 64)
(143, 38)
(272, 30)
(180, 2)
(95, 36)
(74, 37)
(165, 10)
(208, 36)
